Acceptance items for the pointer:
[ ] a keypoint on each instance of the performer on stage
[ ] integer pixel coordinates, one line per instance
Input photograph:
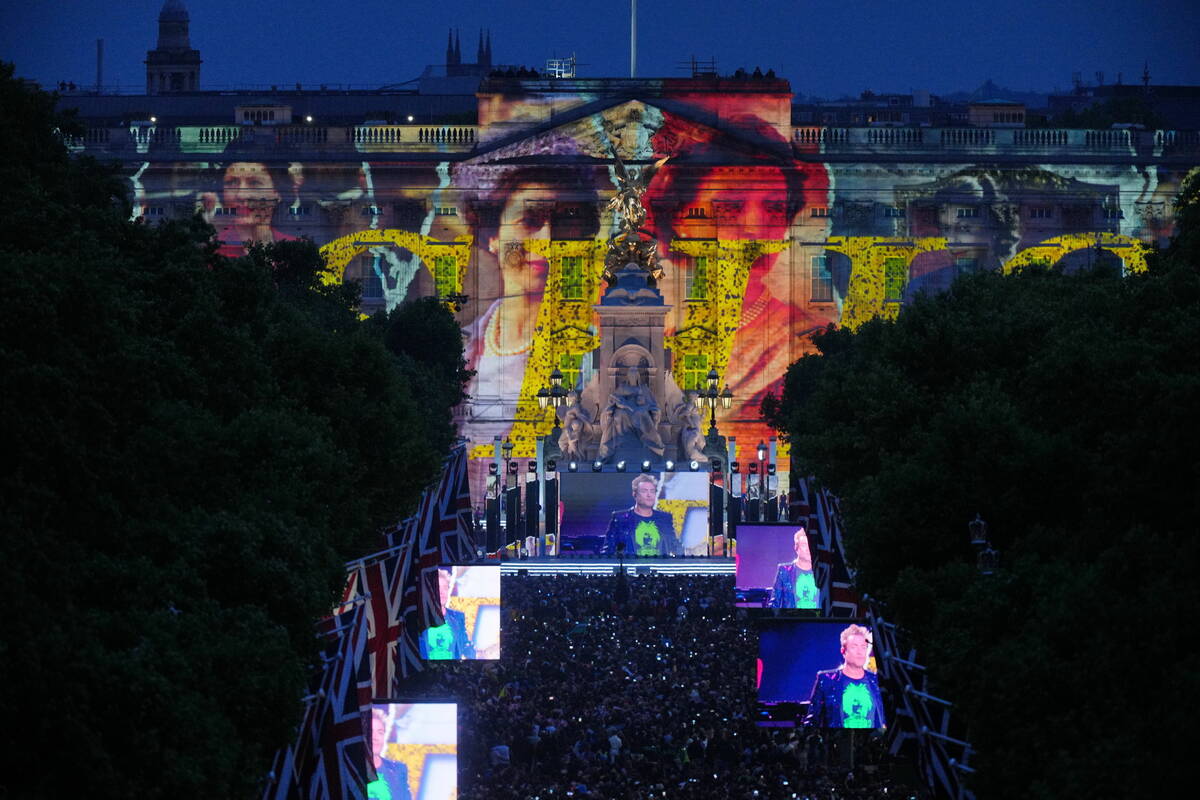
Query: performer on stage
(847, 697)
(795, 586)
(644, 530)
(448, 641)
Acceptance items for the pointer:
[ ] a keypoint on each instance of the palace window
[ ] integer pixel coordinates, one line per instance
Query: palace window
(1041, 212)
(820, 211)
(697, 212)
(893, 212)
(570, 365)
(822, 279)
(695, 371)
(895, 271)
(572, 277)
(447, 211)
(968, 213)
(300, 211)
(372, 281)
(445, 275)
(696, 279)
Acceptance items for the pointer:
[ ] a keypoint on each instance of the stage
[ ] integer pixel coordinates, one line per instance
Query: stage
(690, 565)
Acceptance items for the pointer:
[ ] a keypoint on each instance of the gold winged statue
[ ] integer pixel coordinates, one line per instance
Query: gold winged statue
(628, 245)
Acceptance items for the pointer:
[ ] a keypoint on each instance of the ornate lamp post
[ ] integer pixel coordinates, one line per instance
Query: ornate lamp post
(506, 449)
(709, 397)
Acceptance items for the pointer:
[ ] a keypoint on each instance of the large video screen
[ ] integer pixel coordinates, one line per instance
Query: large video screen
(654, 515)
(817, 673)
(776, 567)
(471, 600)
(415, 750)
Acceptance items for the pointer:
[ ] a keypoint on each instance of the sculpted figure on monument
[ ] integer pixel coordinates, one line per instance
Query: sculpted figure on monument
(631, 409)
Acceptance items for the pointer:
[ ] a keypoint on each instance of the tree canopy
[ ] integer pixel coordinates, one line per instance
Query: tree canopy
(195, 446)
(1060, 407)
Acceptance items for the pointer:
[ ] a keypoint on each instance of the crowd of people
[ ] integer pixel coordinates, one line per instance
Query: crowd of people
(638, 688)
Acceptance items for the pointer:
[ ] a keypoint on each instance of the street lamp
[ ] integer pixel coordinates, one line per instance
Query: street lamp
(555, 395)
(507, 449)
(709, 397)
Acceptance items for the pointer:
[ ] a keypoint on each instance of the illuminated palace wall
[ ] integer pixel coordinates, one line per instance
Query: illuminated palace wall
(768, 233)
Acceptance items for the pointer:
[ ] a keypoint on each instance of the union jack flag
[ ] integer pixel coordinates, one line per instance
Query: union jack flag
(459, 536)
(429, 558)
(384, 581)
(341, 763)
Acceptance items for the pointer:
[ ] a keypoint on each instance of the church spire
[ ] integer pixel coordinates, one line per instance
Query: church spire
(457, 48)
(487, 50)
(450, 47)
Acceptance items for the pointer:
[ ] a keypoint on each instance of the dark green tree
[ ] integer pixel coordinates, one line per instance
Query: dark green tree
(1061, 408)
(195, 445)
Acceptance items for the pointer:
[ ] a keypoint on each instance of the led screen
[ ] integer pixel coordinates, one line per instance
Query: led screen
(471, 600)
(598, 511)
(817, 673)
(415, 751)
(775, 567)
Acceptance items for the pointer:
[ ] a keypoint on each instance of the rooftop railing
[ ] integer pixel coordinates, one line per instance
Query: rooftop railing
(995, 141)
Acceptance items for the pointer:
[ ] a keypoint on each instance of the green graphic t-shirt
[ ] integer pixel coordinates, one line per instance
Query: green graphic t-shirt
(646, 536)
(439, 642)
(857, 705)
(378, 790)
(806, 591)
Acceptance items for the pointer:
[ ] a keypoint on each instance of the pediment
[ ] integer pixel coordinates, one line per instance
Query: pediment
(637, 131)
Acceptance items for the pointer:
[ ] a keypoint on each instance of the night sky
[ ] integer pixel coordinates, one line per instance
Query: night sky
(826, 49)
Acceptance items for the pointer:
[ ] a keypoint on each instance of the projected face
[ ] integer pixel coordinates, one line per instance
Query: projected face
(856, 650)
(378, 732)
(645, 494)
(444, 586)
(803, 555)
(247, 189)
(520, 220)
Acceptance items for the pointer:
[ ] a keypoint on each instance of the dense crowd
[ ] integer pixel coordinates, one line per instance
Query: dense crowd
(635, 689)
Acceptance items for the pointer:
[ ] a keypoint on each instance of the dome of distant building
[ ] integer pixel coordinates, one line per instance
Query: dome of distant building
(173, 11)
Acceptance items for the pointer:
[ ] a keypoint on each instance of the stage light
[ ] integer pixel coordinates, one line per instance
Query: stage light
(308, 118)
(770, 469)
(493, 469)
(670, 465)
(620, 466)
(154, 119)
(572, 466)
(753, 467)
(532, 467)
(513, 467)
(410, 117)
(597, 466)
(551, 465)
(715, 465)
(645, 466)
(734, 467)
(694, 464)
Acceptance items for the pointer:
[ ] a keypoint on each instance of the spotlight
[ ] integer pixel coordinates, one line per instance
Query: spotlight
(715, 465)
(410, 117)
(493, 469)
(734, 467)
(532, 467)
(572, 466)
(513, 467)
(770, 469)
(670, 465)
(551, 465)
(597, 466)
(620, 466)
(645, 466)
(308, 118)
(694, 464)
(753, 467)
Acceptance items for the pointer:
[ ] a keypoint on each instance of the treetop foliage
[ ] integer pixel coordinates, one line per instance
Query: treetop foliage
(1060, 407)
(196, 444)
